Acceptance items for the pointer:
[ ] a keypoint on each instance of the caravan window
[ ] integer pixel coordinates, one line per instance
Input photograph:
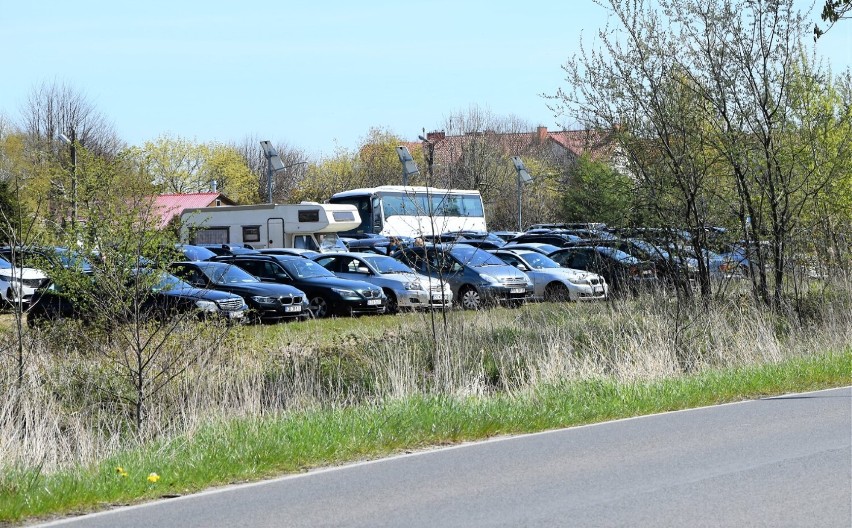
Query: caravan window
(343, 216)
(212, 235)
(309, 215)
(251, 233)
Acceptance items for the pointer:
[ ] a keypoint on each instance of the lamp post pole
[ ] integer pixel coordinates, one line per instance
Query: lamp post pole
(523, 177)
(72, 143)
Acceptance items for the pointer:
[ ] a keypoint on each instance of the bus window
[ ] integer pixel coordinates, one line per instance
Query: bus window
(377, 216)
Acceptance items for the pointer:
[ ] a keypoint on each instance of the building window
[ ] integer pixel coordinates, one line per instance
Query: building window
(251, 233)
(212, 235)
(309, 215)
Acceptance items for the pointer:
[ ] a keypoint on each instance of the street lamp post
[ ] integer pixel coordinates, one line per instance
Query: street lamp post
(429, 151)
(274, 165)
(72, 142)
(523, 177)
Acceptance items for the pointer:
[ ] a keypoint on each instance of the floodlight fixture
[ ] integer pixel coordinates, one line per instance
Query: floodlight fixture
(523, 177)
(409, 166)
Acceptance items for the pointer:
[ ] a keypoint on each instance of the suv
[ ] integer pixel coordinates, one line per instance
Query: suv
(327, 293)
(476, 277)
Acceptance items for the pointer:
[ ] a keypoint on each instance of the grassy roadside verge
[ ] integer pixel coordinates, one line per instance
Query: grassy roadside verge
(249, 449)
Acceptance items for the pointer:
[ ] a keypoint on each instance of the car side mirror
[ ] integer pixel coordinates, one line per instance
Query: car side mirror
(282, 277)
(521, 266)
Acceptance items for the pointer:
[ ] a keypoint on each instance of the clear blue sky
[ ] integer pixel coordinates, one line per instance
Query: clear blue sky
(311, 74)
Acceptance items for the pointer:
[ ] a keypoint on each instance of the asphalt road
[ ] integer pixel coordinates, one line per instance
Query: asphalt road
(784, 461)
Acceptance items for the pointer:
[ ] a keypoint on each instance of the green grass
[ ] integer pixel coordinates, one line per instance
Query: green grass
(248, 449)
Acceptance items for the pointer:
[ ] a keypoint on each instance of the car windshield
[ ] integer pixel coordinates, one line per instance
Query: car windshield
(72, 259)
(166, 282)
(5, 264)
(197, 253)
(229, 275)
(305, 269)
(651, 248)
(387, 265)
(475, 257)
(539, 261)
(618, 255)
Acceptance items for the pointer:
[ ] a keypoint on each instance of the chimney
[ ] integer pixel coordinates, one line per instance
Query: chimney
(436, 136)
(541, 134)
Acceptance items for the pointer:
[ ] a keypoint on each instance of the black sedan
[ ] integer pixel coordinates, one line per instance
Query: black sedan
(266, 301)
(327, 294)
(161, 296)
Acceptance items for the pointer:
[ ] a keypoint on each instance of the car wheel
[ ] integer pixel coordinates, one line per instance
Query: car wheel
(392, 306)
(470, 298)
(318, 307)
(557, 292)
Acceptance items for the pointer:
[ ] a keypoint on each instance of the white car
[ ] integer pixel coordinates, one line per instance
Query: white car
(404, 288)
(19, 284)
(551, 282)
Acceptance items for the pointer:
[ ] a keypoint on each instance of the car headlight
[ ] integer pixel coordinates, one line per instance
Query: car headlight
(343, 292)
(207, 306)
(263, 299)
(489, 279)
(413, 285)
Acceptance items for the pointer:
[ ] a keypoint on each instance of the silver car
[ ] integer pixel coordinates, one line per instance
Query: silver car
(404, 288)
(551, 282)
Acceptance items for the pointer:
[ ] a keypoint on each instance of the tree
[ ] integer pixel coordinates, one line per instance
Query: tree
(701, 93)
(597, 192)
(832, 12)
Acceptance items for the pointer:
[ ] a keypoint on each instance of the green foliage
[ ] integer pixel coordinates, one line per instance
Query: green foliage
(598, 193)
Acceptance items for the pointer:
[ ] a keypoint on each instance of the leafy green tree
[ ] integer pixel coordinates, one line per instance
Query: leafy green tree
(598, 193)
(832, 12)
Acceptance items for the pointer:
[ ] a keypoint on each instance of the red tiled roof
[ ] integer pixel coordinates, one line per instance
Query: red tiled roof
(170, 205)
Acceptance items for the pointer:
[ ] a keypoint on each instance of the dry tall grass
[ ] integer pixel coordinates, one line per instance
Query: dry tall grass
(69, 408)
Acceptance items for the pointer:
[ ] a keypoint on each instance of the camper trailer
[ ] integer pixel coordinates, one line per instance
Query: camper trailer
(307, 225)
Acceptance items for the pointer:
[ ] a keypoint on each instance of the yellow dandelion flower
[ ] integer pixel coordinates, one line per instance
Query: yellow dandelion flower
(119, 470)
(123, 473)
(153, 477)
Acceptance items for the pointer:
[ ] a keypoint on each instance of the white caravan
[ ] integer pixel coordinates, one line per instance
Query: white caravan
(308, 225)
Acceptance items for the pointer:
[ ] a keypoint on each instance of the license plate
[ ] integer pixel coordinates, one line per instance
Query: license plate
(235, 315)
(293, 308)
(517, 290)
(437, 298)
(597, 289)
(373, 302)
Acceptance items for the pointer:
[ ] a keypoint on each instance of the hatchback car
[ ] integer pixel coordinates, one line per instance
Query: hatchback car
(266, 301)
(624, 273)
(404, 288)
(327, 293)
(476, 277)
(552, 282)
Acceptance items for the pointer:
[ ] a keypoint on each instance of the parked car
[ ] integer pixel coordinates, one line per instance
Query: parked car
(267, 302)
(476, 277)
(404, 288)
(670, 268)
(293, 252)
(624, 273)
(229, 249)
(549, 237)
(18, 284)
(192, 253)
(327, 293)
(46, 258)
(538, 247)
(552, 282)
(163, 296)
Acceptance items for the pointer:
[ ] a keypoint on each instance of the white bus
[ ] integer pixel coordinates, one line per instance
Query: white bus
(396, 210)
(307, 225)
